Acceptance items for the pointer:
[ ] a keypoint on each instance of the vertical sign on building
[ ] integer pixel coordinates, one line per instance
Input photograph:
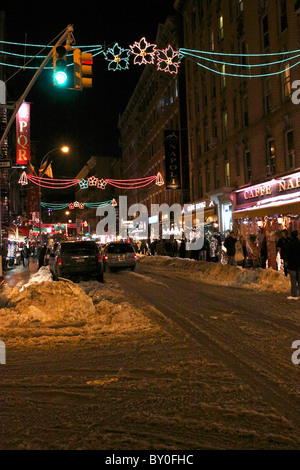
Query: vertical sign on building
(23, 134)
(172, 159)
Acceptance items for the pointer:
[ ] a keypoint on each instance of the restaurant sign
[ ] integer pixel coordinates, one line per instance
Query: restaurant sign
(271, 189)
(23, 134)
(172, 159)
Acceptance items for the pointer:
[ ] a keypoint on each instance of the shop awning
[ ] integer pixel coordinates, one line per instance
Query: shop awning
(268, 210)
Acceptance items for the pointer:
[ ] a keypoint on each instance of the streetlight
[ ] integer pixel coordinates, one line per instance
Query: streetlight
(43, 167)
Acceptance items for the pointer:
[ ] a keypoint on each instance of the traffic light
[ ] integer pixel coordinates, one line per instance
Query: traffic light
(60, 76)
(83, 62)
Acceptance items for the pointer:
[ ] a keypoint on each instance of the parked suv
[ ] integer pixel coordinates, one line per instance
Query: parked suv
(119, 255)
(78, 258)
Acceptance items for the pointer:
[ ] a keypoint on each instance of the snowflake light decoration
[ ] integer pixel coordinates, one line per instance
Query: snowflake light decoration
(93, 181)
(144, 52)
(168, 60)
(101, 184)
(84, 184)
(117, 57)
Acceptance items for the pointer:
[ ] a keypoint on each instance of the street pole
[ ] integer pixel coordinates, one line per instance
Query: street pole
(67, 33)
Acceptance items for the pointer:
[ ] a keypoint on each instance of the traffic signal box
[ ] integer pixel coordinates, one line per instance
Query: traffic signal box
(83, 62)
(60, 76)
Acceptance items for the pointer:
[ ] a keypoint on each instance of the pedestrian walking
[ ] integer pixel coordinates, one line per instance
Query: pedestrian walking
(41, 255)
(282, 247)
(244, 250)
(293, 265)
(182, 249)
(229, 244)
(26, 256)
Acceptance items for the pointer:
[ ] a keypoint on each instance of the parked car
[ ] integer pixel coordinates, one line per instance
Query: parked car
(119, 255)
(77, 258)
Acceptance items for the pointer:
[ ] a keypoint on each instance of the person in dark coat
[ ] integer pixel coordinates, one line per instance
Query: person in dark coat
(282, 247)
(229, 244)
(182, 249)
(41, 255)
(26, 254)
(293, 264)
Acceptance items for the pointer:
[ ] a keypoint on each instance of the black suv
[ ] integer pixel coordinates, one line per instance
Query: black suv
(77, 258)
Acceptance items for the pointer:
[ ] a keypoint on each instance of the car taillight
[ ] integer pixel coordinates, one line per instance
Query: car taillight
(99, 258)
(106, 257)
(135, 256)
(59, 261)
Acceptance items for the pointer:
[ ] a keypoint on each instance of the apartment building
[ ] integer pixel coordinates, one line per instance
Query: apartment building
(243, 131)
(156, 105)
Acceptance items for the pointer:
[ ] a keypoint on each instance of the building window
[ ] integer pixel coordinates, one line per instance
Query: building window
(237, 163)
(245, 113)
(227, 173)
(286, 81)
(240, 6)
(223, 77)
(221, 28)
(248, 175)
(271, 157)
(290, 150)
(213, 86)
(225, 125)
(217, 175)
(207, 179)
(212, 42)
(206, 138)
(265, 32)
(283, 15)
(200, 185)
(267, 95)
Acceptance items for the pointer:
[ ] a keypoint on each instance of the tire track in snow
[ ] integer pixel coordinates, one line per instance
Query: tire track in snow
(253, 373)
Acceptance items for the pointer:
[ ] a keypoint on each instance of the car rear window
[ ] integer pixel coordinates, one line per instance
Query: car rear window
(120, 248)
(79, 247)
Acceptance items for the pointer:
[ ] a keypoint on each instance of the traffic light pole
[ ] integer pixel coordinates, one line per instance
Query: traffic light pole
(65, 36)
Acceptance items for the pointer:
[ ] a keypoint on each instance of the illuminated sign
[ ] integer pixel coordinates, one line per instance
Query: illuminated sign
(273, 189)
(23, 134)
(172, 159)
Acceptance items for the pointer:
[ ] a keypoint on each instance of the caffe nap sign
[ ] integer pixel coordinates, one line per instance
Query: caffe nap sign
(274, 188)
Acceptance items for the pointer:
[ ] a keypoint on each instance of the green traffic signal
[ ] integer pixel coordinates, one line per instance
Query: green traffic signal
(60, 65)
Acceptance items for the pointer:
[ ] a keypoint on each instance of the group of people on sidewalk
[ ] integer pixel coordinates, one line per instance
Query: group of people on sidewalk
(288, 248)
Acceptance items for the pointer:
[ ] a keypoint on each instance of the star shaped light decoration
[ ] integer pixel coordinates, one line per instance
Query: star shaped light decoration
(144, 52)
(93, 181)
(168, 60)
(71, 205)
(101, 184)
(117, 57)
(84, 184)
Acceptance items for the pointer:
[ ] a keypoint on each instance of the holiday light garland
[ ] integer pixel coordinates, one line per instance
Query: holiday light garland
(168, 59)
(93, 181)
(78, 204)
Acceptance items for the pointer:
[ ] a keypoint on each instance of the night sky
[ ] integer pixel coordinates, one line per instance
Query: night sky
(87, 120)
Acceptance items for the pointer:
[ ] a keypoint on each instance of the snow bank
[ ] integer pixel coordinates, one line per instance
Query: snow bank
(42, 275)
(47, 311)
(217, 273)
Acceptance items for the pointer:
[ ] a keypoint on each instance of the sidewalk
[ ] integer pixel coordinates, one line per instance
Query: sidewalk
(19, 275)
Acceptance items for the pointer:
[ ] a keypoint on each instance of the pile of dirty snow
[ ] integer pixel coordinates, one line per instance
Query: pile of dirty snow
(217, 273)
(47, 311)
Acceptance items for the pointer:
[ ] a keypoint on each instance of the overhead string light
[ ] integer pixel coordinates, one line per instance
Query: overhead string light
(92, 181)
(77, 204)
(168, 59)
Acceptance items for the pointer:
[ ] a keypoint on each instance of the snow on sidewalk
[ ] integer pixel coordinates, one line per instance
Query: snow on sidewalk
(221, 274)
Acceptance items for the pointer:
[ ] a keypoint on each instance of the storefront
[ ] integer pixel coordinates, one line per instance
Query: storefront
(265, 209)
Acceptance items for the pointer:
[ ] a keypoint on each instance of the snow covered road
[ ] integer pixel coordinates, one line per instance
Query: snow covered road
(157, 360)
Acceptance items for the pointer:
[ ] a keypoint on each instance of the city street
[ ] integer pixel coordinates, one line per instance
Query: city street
(168, 363)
